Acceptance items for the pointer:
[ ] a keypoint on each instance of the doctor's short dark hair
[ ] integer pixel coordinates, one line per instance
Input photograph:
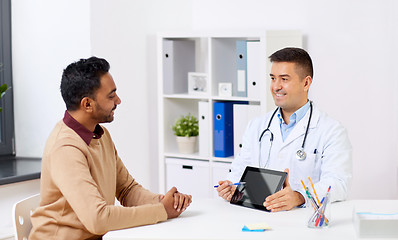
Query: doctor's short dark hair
(81, 79)
(296, 55)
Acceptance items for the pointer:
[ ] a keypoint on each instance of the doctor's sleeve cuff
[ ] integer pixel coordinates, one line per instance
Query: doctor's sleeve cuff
(305, 198)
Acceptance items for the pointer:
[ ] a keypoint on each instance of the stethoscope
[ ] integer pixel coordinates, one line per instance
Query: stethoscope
(300, 154)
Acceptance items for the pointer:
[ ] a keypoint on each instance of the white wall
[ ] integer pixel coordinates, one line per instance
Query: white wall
(124, 32)
(46, 36)
(354, 46)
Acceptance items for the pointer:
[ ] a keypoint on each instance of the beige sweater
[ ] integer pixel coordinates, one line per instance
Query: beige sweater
(79, 183)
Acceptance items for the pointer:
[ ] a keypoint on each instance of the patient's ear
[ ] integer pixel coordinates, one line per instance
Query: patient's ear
(86, 104)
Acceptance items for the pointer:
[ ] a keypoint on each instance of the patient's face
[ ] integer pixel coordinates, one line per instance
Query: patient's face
(106, 100)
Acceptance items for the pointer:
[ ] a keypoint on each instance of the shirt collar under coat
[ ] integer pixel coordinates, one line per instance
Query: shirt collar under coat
(296, 116)
(299, 129)
(81, 130)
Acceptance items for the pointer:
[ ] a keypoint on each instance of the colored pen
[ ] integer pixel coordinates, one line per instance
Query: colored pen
(315, 215)
(303, 184)
(236, 184)
(323, 217)
(316, 195)
(318, 217)
(311, 199)
(323, 207)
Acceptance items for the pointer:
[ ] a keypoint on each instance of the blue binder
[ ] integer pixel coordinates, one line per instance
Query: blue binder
(223, 136)
(241, 64)
(223, 129)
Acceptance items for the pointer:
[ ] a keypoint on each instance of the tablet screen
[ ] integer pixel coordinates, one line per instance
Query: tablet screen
(259, 184)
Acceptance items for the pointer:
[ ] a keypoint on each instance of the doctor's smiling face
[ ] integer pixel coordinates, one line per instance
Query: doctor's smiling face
(291, 77)
(289, 90)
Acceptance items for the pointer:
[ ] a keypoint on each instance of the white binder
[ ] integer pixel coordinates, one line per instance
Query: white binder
(241, 64)
(255, 75)
(242, 115)
(178, 60)
(204, 128)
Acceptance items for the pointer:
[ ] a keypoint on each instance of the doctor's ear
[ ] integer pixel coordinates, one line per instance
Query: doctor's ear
(86, 104)
(307, 82)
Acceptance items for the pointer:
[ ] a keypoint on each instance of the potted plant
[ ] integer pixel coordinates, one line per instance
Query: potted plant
(186, 129)
(3, 89)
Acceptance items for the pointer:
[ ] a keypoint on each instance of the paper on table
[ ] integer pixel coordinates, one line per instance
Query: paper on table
(256, 227)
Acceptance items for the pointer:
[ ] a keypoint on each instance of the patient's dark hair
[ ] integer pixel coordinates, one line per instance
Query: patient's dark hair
(296, 55)
(81, 79)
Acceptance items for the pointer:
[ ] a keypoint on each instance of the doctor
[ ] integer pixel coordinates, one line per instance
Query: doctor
(296, 137)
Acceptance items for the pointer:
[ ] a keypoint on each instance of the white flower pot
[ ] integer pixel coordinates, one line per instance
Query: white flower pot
(186, 145)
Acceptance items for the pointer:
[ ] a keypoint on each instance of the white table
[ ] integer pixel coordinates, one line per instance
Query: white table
(217, 219)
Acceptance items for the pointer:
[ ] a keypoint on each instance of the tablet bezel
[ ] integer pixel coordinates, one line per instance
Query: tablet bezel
(249, 169)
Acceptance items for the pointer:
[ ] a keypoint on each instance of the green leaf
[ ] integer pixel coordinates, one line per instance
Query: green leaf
(3, 88)
(186, 126)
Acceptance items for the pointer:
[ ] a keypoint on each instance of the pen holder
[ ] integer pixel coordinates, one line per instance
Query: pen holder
(320, 215)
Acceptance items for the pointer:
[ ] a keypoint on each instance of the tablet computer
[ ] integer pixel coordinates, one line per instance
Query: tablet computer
(259, 183)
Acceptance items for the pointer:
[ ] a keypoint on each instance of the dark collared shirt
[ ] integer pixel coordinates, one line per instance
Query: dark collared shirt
(81, 130)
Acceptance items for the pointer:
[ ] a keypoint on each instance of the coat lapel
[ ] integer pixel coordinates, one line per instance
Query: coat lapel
(300, 128)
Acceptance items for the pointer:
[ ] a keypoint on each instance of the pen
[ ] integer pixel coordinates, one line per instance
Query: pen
(322, 209)
(236, 184)
(310, 198)
(303, 185)
(316, 195)
(318, 217)
(313, 203)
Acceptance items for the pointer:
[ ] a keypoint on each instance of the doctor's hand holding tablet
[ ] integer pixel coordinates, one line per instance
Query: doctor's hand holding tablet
(284, 199)
(296, 138)
(226, 189)
(263, 190)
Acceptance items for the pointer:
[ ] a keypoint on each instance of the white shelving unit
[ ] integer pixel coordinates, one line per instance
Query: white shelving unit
(215, 55)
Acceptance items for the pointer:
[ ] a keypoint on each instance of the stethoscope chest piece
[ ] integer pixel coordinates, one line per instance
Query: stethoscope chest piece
(301, 155)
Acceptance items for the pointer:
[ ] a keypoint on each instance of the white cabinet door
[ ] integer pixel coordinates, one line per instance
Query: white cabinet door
(189, 176)
(220, 172)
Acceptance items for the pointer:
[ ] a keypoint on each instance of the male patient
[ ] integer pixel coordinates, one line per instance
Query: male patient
(82, 172)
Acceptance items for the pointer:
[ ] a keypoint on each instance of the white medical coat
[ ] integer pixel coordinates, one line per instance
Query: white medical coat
(327, 146)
